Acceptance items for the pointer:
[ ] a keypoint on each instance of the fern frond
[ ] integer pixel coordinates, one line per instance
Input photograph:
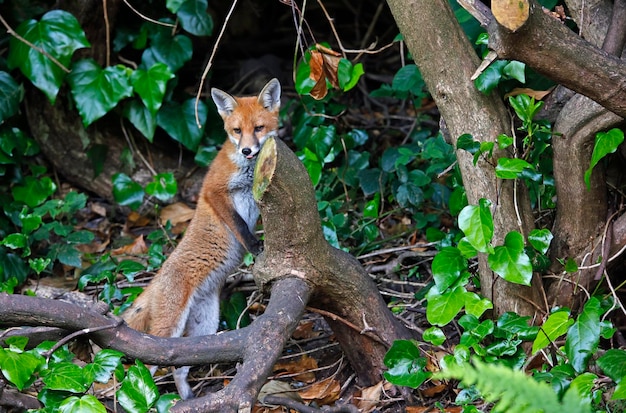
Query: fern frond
(513, 391)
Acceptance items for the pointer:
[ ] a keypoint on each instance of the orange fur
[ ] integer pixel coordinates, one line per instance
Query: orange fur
(183, 297)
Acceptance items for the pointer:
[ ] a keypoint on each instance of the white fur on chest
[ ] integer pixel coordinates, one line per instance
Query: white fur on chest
(240, 187)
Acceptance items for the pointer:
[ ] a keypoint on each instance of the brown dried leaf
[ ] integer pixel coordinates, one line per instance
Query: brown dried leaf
(304, 330)
(537, 94)
(176, 213)
(434, 390)
(420, 409)
(304, 366)
(135, 219)
(370, 397)
(323, 392)
(138, 246)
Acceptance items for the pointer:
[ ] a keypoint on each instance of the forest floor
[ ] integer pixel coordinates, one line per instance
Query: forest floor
(312, 370)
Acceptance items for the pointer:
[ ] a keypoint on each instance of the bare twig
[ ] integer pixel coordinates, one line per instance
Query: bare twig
(146, 18)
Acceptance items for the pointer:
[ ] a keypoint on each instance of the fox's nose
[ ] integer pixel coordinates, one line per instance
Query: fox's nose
(246, 151)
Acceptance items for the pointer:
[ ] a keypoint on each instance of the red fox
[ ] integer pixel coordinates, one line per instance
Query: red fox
(183, 297)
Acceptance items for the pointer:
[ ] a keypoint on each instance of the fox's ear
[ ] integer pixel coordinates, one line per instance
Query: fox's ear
(225, 103)
(270, 95)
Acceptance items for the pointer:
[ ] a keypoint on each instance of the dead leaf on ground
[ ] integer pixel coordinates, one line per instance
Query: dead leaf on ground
(369, 397)
(134, 219)
(278, 388)
(304, 366)
(176, 213)
(137, 247)
(434, 390)
(323, 392)
(304, 330)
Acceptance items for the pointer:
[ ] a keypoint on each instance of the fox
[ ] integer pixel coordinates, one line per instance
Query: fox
(183, 297)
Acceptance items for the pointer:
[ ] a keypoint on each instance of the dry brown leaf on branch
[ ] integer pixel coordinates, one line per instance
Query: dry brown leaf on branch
(324, 64)
(134, 219)
(322, 392)
(304, 330)
(303, 366)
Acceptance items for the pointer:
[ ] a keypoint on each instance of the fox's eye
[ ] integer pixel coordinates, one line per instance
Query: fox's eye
(259, 128)
(237, 131)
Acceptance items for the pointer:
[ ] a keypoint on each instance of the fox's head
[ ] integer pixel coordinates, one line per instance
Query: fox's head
(249, 121)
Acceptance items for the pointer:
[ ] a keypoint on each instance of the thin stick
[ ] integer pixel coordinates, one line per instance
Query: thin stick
(64, 340)
(210, 62)
(107, 30)
(146, 18)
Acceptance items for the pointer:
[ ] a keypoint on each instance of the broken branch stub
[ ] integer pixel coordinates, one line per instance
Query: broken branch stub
(511, 14)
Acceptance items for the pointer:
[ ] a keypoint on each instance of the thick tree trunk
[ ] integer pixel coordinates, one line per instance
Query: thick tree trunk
(447, 62)
(295, 247)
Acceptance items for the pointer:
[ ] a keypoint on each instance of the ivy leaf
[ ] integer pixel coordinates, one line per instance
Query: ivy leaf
(447, 267)
(141, 118)
(174, 51)
(349, 74)
(613, 364)
(95, 90)
(151, 85)
(165, 402)
(515, 70)
(60, 35)
(511, 168)
(477, 224)
(540, 239)
(66, 376)
(584, 335)
(163, 186)
(554, 327)
(475, 304)
(406, 366)
(104, 364)
(194, 18)
(138, 393)
(180, 122)
(442, 308)
(34, 191)
(18, 368)
(11, 94)
(468, 143)
(84, 404)
(434, 335)
(606, 143)
(510, 261)
(490, 77)
(126, 191)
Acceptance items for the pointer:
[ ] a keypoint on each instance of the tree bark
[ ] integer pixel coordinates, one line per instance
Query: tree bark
(447, 62)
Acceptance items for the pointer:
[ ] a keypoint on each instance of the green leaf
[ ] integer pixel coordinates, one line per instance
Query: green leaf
(511, 168)
(348, 74)
(540, 239)
(104, 364)
(138, 393)
(174, 5)
(510, 261)
(490, 77)
(606, 143)
(34, 191)
(477, 224)
(554, 327)
(434, 335)
(84, 404)
(232, 310)
(583, 385)
(141, 118)
(447, 267)
(180, 122)
(15, 241)
(163, 186)
(468, 143)
(515, 70)
(620, 391)
(525, 107)
(475, 304)
(407, 78)
(59, 34)
(126, 191)
(18, 368)
(95, 90)
(406, 366)
(583, 336)
(151, 85)
(442, 308)
(194, 18)
(613, 364)
(66, 376)
(174, 51)
(11, 94)
(165, 402)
